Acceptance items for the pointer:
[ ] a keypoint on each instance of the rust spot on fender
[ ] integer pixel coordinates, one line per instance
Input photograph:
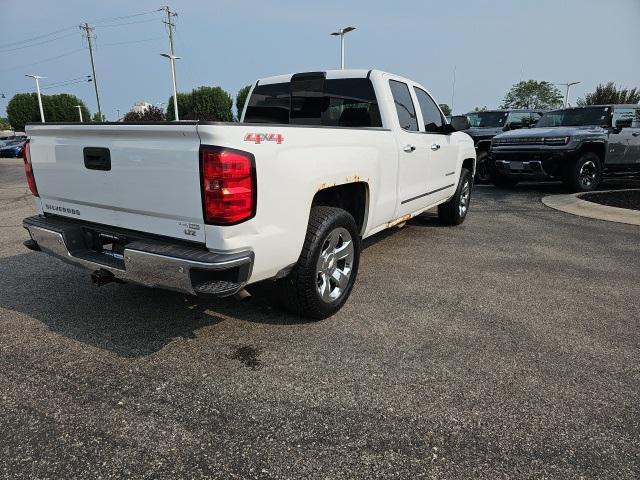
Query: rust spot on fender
(398, 221)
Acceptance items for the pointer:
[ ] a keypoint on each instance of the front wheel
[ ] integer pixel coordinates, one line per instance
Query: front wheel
(455, 210)
(482, 168)
(321, 281)
(584, 175)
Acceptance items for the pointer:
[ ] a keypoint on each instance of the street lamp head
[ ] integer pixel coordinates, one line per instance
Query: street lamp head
(34, 76)
(168, 55)
(342, 31)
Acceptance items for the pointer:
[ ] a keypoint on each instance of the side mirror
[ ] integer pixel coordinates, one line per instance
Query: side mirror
(460, 122)
(513, 126)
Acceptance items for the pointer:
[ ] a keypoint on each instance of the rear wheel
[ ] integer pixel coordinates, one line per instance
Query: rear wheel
(455, 210)
(482, 168)
(584, 174)
(321, 281)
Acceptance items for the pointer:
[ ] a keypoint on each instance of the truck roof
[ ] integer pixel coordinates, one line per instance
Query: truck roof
(330, 74)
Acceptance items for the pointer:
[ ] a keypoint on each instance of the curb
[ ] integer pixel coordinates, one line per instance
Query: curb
(571, 203)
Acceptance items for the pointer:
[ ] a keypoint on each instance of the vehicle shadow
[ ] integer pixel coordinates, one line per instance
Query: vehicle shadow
(129, 320)
(126, 319)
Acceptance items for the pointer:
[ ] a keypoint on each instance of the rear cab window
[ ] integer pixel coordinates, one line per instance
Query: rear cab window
(310, 99)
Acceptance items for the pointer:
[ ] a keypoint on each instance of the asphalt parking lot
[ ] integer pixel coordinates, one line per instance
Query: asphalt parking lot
(508, 347)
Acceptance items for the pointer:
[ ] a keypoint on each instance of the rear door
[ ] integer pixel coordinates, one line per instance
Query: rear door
(138, 177)
(442, 151)
(413, 175)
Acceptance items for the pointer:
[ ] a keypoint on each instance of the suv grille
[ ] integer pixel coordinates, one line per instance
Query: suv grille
(519, 141)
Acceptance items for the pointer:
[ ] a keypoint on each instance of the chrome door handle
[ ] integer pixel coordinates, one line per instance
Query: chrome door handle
(409, 148)
(435, 146)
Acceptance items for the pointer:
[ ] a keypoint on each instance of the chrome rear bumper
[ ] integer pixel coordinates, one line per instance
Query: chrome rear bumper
(149, 262)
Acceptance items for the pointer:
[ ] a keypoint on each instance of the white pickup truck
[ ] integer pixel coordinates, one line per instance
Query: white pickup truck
(319, 161)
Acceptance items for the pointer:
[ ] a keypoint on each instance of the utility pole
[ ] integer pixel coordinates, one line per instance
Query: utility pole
(566, 96)
(79, 107)
(172, 55)
(88, 31)
(37, 79)
(453, 89)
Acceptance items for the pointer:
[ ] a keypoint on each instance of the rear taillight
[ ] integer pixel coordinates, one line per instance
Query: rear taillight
(28, 169)
(228, 185)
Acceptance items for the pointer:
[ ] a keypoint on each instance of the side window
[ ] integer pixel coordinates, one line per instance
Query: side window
(636, 120)
(535, 116)
(269, 104)
(431, 115)
(404, 106)
(519, 119)
(350, 102)
(623, 117)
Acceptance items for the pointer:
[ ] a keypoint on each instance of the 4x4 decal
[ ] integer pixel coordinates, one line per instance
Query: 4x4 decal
(264, 137)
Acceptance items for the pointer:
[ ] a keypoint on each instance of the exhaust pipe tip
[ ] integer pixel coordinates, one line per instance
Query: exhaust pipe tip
(242, 296)
(102, 277)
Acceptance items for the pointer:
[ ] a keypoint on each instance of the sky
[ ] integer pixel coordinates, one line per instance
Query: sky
(489, 44)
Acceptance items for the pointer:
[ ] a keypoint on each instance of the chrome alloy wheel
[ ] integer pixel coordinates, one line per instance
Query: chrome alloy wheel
(465, 195)
(335, 265)
(588, 174)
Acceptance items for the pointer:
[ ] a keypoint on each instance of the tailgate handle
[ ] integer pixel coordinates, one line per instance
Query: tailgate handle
(97, 158)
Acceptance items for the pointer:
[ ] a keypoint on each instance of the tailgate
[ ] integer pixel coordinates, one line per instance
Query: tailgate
(138, 177)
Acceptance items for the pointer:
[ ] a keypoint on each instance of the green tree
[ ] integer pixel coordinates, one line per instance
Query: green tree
(98, 117)
(446, 109)
(241, 98)
(184, 106)
(533, 94)
(150, 114)
(480, 109)
(210, 103)
(609, 93)
(4, 124)
(23, 108)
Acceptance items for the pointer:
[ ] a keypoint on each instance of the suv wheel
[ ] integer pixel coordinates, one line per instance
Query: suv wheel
(584, 174)
(482, 168)
(322, 279)
(455, 210)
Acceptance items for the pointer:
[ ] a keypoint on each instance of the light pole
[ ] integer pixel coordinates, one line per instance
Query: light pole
(342, 32)
(37, 79)
(118, 110)
(79, 107)
(173, 58)
(566, 96)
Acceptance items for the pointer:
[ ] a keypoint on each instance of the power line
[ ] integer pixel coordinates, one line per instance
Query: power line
(29, 40)
(39, 43)
(123, 17)
(128, 23)
(71, 52)
(128, 42)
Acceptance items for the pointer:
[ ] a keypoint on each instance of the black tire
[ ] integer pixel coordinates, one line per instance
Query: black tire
(299, 292)
(482, 168)
(584, 174)
(455, 210)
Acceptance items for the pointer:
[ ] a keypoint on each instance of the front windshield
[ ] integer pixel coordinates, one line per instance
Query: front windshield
(576, 117)
(487, 119)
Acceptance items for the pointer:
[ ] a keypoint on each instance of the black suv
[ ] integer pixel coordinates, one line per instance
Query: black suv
(576, 145)
(483, 126)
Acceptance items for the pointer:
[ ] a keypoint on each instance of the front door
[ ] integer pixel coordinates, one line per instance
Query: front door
(622, 141)
(443, 152)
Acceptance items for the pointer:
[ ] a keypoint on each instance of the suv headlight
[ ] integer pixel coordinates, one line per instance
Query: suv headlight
(556, 140)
